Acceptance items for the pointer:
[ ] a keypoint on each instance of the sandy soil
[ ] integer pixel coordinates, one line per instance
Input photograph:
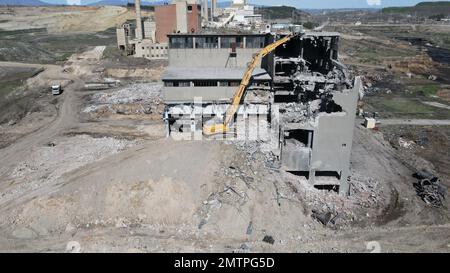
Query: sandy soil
(64, 19)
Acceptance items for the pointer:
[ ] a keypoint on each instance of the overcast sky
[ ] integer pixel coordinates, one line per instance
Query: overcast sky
(305, 4)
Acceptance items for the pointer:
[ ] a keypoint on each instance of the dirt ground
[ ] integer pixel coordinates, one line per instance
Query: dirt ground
(94, 172)
(117, 184)
(60, 19)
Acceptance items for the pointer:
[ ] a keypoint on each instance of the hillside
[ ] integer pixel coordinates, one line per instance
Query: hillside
(23, 3)
(422, 9)
(124, 3)
(283, 12)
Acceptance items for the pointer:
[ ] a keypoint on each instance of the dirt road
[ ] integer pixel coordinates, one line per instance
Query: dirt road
(67, 117)
(27, 65)
(424, 122)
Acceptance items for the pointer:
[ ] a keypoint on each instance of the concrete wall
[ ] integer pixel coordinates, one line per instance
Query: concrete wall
(150, 30)
(332, 142)
(214, 57)
(121, 38)
(187, 94)
(176, 18)
(181, 17)
(166, 22)
(139, 32)
(194, 19)
(149, 50)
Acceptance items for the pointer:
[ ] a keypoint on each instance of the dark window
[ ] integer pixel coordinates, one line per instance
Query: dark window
(184, 83)
(181, 42)
(255, 42)
(205, 83)
(227, 42)
(189, 8)
(207, 42)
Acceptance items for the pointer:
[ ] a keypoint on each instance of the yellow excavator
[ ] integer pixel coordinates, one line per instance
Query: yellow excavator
(216, 126)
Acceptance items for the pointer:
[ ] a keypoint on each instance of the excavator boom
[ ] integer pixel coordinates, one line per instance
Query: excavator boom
(217, 128)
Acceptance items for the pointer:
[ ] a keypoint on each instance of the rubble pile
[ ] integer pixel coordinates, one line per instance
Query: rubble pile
(141, 92)
(294, 112)
(365, 191)
(136, 99)
(46, 164)
(429, 188)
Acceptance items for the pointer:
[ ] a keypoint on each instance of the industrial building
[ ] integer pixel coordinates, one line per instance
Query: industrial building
(300, 90)
(147, 37)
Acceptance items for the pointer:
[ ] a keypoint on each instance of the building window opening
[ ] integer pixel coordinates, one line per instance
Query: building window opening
(184, 83)
(300, 138)
(329, 106)
(255, 42)
(205, 83)
(181, 42)
(189, 9)
(229, 83)
(334, 188)
(225, 42)
(207, 42)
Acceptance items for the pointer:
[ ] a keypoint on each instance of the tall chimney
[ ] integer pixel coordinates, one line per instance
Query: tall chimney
(205, 10)
(213, 8)
(139, 32)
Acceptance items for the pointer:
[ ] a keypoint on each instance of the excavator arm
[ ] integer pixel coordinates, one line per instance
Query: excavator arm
(217, 128)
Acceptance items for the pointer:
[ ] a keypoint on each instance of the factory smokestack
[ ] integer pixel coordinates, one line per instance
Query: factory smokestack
(205, 10)
(213, 8)
(139, 32)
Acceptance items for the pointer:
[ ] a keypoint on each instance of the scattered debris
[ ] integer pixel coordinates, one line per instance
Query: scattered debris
(405, 143)
(268, 239)
(202, 223)
(250, 228)
(430, 189)
(73, 247)
(322, 217)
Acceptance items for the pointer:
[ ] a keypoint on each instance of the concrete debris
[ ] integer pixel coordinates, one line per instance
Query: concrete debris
(12, 122)
(73, 247)
(46, 164)
(250, 228)
(202, 223)
(407, 144)
(136, 99)
(141, 92)
(324, 217)
(268, 239)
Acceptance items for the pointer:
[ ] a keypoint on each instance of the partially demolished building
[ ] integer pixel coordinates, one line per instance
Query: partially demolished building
(310, 96)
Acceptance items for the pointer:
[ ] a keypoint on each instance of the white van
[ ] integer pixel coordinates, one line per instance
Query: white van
(56, 89)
